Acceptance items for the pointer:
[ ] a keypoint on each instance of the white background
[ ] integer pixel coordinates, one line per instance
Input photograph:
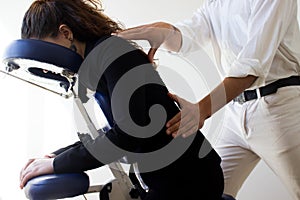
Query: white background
(34, 122)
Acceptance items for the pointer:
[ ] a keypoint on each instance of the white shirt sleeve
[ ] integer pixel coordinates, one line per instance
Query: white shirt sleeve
(267, 25)
(195, 32)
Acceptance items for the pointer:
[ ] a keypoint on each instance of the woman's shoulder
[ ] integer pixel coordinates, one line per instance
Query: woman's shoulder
(115, 41)
(111, 46)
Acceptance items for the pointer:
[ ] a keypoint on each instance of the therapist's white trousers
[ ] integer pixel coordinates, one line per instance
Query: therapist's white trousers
(267, 128)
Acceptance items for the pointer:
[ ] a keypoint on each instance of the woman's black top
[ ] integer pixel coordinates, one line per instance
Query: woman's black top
(121, 62)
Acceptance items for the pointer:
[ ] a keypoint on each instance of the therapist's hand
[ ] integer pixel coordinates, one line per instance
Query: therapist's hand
(186, 122)
(35, 167)
(156, 34)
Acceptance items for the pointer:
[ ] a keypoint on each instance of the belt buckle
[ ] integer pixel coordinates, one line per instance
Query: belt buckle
(240, 99)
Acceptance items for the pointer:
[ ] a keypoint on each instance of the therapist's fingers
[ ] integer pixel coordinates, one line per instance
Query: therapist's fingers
(187, 126)
(182, 126)
(190, 127)
(187, 121)
(173, 124)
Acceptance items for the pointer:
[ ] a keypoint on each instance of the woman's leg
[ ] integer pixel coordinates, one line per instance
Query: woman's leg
(202, 179)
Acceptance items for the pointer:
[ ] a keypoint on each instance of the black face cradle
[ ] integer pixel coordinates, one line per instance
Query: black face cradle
(44, 64)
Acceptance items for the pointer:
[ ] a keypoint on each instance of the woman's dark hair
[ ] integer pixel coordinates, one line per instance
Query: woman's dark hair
(84, 17)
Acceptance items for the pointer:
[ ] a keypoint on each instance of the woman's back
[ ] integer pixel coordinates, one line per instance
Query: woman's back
(141, 107)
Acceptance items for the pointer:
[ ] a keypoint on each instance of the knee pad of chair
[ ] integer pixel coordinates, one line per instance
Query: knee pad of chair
(57, 186)
(227, 197)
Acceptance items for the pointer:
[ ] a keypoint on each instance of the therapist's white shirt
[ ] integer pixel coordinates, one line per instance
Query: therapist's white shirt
(249, 37)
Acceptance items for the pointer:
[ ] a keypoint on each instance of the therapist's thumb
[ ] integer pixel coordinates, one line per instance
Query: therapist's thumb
(173, 97)
(151, 54)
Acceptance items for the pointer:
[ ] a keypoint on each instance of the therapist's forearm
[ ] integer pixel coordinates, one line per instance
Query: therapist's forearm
(224, 93)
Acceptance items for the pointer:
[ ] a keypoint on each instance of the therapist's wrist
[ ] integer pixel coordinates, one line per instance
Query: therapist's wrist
(205, 108)
(173, 41)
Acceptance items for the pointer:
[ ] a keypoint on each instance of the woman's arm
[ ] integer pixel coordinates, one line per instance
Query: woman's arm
(59, 151)
(38, 166)
(74, 158)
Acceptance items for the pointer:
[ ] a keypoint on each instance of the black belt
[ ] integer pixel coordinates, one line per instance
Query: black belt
(268, 89)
